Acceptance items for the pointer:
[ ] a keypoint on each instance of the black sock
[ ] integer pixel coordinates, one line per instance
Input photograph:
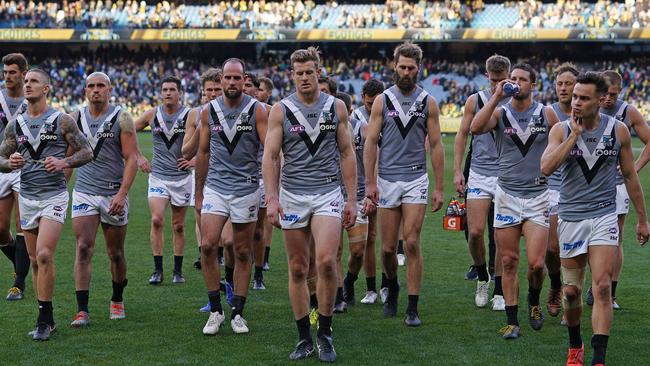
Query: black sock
(118, 290)
(498, 290)
(412, 304)
(383, 280)
(482, 272)
(400, 247)
(220, 253)
(533, 296)
(339, 295)
(371, 284)
(9, 251)
(393, 287)
(158, 263)
(350, 279)
(259, 273)
(599, 344)
(22, 262)
(178, 264)
(556, 282)
(215, 301)
(45, 312)
(313, 301)
(229, 274)
(303, 329)
(324, 325)
(238, 303)
(614, 284)
(267, 251)
(82, 300)
(511, 314)
(575, 340)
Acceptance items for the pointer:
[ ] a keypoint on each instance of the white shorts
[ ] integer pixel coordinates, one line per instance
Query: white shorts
(91, 205)
(9, 183)
(553, 202)
(480, 187)
(394, 194)
(193, 197)
(240, 210)
(299, 208)
(622, 200)
(178, 192)
(577, 236)
(362, 219)
(510, 210)
(53, 208)
(262, 194)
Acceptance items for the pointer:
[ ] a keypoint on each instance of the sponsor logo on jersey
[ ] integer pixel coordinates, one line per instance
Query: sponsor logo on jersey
(206, 206)
(252, 208)
(297, 129)
(412, 113)
(613, 230)
(22, 139)
(605, 152)
(574, 245)
(291, 218)
(392, 114)
(159, 190)
(505, 218)
(575, 152)
(48, 137)
(80, 207)
(217, 128)
(476, 191)
(510, 131)
(57, 208)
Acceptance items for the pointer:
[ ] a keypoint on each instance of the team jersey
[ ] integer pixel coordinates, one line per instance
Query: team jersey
(168, 132)
(555, 179)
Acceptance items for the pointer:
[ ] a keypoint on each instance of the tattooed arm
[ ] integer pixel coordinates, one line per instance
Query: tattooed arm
(130, 154)
(81, 151)
(8, 159)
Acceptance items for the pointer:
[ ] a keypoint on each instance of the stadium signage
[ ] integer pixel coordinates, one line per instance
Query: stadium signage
(185, 34)
(26, 34)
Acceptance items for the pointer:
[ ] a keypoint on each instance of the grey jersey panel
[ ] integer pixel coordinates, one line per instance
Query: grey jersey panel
(359, 140)
(620, 112)
(234, 145)
(309, 146)
(9, 109)
(485, 159)
(168, 133)
(555, 179)
(588, 185)
(361, 114)
(402, 156)
(37, 139)
(521, 138)
(103, 175)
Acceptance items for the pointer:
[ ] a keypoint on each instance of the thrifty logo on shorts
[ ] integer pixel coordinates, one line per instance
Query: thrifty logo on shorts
(506, 218)
(156, 190)
(206, 206)
(574, 245)
(80, 207)
(474, 190)
(291, 218)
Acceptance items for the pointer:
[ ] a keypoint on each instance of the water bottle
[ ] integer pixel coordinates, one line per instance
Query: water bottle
(510, 89)
(450, 210)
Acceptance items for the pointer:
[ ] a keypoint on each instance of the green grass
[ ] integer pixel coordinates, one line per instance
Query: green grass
(163, 325)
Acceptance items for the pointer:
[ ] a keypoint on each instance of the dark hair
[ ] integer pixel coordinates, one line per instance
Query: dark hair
(331, 84)
(253, 77)
(268, 82)
(16, 59)
(566, 67)
(347, 100)
(372, 87)
(211, 74)
(594, 78)
(612, 77)
(171, 79)
(409, 50)
(528, 68)
(234, 59)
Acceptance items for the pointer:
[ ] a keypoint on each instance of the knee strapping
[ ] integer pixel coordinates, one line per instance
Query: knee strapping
(573, 277)
(311, 284)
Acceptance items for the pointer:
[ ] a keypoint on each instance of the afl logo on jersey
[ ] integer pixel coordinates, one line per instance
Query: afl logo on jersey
(575, 152)
(22, 139)
(510, 131)
(297, 129)
(217, 128)
(392, 114)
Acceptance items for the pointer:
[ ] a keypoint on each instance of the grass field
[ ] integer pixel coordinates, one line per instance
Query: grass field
(163, 324)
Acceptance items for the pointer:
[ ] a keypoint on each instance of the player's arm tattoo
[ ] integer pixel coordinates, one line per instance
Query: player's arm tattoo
(130, 150)
(8, 147)
(81, 151)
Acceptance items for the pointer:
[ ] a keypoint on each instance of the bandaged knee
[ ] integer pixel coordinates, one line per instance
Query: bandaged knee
(573, 277)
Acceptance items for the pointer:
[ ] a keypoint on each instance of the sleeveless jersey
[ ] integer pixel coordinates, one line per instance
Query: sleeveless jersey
(359, 140)
(9, 109)
(521, 138)
(361, 114)
(588, 186)
(402, 156)
(555, 179)
(620, 112)
(234, 144)
(484, 158)
(309, 146)
(37, 139)
(103, 175)
(168, 133)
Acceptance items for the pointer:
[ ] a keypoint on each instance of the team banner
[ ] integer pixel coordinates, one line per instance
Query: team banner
(322, 35)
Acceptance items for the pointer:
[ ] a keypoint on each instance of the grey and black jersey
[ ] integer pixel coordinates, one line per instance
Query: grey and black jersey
(521, 138)
(402, 156)
(361, 114)
(234, 144)
(359, 140)
(103, 175)
(37, 139)
(484, 157)
(9, 109)
(555, 179)
(168, 132)
(309, 146)
(588, 177)
(619, 111)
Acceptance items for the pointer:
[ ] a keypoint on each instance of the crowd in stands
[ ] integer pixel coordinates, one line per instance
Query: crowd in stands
(136, 76)
(307, 14)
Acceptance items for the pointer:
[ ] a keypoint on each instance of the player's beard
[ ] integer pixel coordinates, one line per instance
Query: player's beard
(405, 83)
(232, 94)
